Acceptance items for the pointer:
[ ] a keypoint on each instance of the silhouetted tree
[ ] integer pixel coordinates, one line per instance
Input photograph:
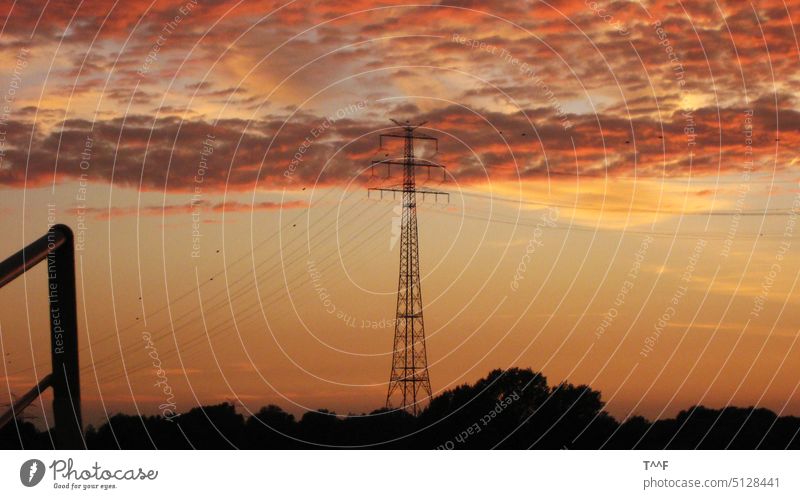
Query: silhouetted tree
(508, 409)
(22, 434)
(271, 428)
(319, 427)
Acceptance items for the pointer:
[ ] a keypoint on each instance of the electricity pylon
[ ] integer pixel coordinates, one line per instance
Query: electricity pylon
(409, 376)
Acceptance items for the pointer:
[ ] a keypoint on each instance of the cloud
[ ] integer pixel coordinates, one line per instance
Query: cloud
(498, 119)
(202, 207)
(166, 153)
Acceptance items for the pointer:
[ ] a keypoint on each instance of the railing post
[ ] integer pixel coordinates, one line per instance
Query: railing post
(64, 339)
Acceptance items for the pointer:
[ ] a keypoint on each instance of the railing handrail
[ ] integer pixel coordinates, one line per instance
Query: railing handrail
(15, 265)
(21, 403)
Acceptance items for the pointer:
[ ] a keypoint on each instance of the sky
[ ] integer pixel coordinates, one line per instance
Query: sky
(622, 209)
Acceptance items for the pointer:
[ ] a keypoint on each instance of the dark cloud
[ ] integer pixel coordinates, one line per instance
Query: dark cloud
(165, 153)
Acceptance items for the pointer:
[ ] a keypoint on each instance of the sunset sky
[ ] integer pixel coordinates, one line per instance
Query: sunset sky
(623, 208)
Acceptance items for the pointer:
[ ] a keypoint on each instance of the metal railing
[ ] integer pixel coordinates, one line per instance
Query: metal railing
(56, 248)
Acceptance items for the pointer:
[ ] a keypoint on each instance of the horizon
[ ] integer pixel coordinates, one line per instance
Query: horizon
(622, 201)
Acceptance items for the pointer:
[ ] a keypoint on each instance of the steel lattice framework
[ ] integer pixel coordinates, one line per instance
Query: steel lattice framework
(409, 379)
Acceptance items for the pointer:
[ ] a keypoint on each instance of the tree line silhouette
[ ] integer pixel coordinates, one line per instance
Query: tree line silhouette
(511, 409)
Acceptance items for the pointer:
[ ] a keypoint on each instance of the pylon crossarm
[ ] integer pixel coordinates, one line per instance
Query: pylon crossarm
(418, 190)
(403, 164)
(414, 136)
(417, 162)
(409, 134)
(406, 125)
(381, 190)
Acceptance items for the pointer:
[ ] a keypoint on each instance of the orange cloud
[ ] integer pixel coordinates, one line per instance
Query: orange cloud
(182, 209)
